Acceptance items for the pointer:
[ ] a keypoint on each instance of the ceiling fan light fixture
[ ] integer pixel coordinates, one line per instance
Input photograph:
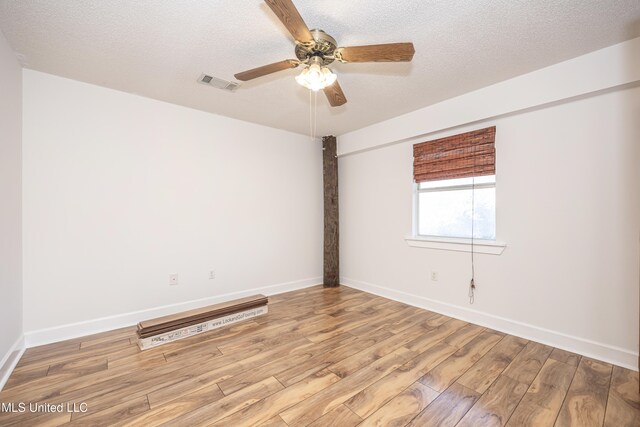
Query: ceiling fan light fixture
(316, 77)
(315, 49)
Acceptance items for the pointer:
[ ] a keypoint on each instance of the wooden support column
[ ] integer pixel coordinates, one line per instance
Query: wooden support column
(331, 277)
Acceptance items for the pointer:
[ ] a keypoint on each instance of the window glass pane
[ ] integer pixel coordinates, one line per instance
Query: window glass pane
(448, 213)
(458, 181)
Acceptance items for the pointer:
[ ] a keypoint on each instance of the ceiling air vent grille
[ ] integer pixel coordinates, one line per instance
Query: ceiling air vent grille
(206, 79)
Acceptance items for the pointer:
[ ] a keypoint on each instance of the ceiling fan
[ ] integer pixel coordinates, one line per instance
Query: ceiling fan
(317, 49)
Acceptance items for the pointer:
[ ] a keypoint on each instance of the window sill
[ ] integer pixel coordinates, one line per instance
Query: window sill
(491, 247)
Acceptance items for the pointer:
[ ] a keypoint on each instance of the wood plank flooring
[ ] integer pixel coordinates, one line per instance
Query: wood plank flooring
(324, 357)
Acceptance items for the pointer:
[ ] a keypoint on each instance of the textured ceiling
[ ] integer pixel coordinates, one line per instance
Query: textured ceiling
(158, 48)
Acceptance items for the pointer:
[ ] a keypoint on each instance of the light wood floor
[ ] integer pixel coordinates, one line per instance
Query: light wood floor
(325, 357)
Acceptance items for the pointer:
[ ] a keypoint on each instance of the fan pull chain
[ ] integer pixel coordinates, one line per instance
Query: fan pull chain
(310, 116)
(313, 114)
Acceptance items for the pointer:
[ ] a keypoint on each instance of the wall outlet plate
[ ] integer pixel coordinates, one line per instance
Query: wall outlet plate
(434, 276)
(212, 274)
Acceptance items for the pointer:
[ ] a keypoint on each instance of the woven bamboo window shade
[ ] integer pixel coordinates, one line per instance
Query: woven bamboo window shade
(459, 156)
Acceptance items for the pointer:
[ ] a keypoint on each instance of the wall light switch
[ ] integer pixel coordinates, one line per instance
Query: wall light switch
(173, 279)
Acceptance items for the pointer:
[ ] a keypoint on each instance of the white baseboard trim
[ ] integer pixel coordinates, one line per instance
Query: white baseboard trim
(94, 326)
(600, 351)
(10, 360)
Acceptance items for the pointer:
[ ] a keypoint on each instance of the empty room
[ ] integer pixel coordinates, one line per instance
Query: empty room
(320, 213)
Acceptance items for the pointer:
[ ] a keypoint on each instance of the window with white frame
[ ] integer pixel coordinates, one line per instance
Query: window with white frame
(455, 186)
(459, 207)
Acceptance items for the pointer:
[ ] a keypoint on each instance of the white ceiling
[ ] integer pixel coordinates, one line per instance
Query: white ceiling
(158, 48)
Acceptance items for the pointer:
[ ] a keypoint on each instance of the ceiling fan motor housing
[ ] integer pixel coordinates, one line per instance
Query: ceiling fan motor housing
(322, 47)
(317, 49)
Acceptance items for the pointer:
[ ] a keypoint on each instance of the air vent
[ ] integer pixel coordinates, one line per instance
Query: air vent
(206, 79)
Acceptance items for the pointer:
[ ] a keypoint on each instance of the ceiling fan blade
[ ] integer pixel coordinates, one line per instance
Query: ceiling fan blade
(335, 95)
(286, 11)
(267, 69)
(391, 52)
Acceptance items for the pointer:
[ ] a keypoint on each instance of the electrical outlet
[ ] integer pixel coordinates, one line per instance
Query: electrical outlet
(434, 276)
(212, 274)
(173, 279)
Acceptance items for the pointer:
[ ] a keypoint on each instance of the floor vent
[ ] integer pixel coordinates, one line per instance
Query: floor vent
(206, 79)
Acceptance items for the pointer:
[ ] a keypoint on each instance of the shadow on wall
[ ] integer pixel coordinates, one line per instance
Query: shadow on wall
(634, 30)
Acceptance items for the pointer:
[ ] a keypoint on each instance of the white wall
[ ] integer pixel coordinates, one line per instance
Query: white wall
(10, 204)
(568, 207)
(570, 274)
(604, 69)
(120, 191)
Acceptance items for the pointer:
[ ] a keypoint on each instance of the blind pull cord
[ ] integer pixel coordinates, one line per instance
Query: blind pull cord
(472, 283)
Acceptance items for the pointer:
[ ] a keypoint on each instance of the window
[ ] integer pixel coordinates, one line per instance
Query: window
(455, 186)
(444, 208)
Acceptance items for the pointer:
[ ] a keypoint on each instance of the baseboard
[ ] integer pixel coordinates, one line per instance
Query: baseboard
(600, 351)
(94, 326)
(10, 360)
